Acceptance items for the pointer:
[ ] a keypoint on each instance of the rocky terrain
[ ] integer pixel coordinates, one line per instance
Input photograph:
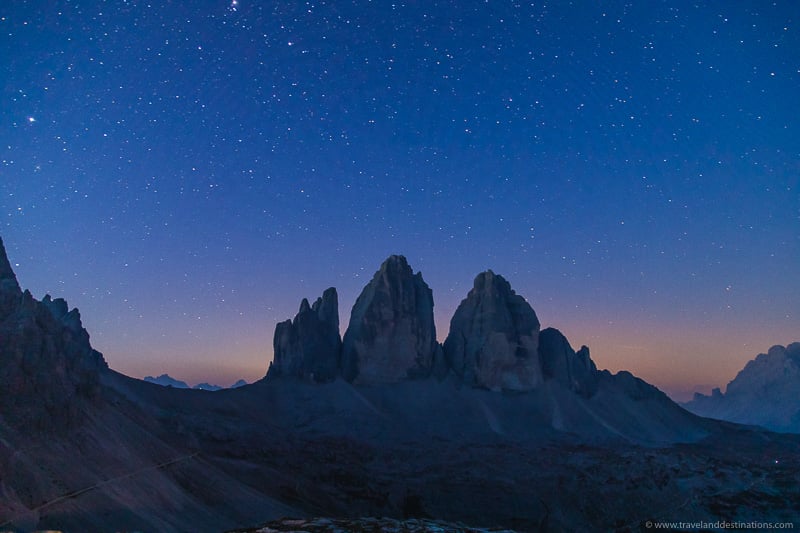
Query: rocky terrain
(366, 525)
(766, 392)
(506, 427)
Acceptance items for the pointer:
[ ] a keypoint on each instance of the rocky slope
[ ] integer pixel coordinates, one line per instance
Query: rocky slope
(78, 455)
(377, 525)
(766, 392)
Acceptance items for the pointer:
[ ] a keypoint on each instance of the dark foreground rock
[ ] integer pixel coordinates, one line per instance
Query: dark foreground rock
(365, 525)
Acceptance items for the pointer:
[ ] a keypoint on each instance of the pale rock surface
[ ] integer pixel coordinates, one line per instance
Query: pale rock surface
(766, 392)
(494, 338)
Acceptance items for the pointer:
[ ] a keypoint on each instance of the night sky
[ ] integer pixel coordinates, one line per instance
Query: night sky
(185, 172)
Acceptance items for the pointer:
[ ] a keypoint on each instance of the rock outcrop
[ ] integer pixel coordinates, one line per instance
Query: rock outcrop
(494, 338)
(308, 347)
(766, 392)
(47, 364)
(391, 335)
(560, 362)
(10, 292)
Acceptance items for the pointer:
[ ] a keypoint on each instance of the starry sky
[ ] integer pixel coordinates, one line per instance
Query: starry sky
(185, 172)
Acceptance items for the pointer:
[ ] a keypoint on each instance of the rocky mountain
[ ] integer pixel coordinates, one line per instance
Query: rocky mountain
(239, 383)
(494, 338)
(766, 392)
(309, 346)
(574, 370)
(84, 448)
(391, 335)
(165, 380)
(46, 356)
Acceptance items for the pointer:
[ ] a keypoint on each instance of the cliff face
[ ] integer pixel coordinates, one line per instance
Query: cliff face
(766, 392)
(391, 335)
(574, 370)
(494, 337)
(47, 365)
(309, 346)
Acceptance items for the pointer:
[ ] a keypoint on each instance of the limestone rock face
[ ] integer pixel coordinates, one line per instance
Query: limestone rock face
(47, 364)
(391, 335)
(308, 347)
(560, 362)
(766, 392)
(494, 337)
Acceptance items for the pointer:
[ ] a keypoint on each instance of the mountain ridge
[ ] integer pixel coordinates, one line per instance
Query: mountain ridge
(766, 392)
(572, 453)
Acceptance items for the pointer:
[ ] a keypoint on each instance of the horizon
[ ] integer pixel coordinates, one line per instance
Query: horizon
(678, 392)
(631, 170)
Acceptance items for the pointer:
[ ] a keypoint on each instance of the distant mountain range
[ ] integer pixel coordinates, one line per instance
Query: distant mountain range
(166, 380)
(502, 425)
(766, 392)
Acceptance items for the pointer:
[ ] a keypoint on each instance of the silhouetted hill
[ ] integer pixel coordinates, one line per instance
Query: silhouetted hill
(165, 380)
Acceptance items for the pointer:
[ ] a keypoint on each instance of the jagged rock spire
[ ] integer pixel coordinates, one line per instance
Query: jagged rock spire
(494, 336)
(308, 347)
(391, 335)
(575, 370)
(8, 280)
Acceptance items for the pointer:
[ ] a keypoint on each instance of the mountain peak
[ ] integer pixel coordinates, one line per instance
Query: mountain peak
(395, 264)
(308, 347)
(765, 392)
(494, 337)
(391, 335)
(8, 280)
